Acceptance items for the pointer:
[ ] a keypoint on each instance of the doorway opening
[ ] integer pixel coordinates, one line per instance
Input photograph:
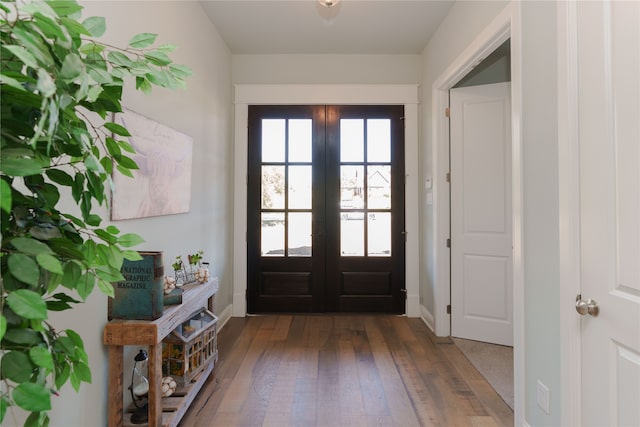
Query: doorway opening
(325, 209)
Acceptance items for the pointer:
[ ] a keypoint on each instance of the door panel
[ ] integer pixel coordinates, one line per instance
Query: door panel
(608, 59)
(481, 264)
(325, 209)
(365, 209)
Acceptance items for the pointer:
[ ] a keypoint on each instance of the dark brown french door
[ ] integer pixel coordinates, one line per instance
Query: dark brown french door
(325, 230)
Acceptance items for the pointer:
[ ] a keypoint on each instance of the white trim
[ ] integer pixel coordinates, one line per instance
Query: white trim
(224, 317)
(427, 318)
(317, 95)
(569, 215)
(506, 24)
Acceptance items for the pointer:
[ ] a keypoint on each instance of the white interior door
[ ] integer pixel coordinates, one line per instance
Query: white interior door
(608, 102)
(481, 245)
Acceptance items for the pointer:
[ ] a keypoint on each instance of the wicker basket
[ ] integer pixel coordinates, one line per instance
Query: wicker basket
(190, 347)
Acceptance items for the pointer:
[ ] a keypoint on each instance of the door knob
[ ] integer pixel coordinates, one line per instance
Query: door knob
(589, 307)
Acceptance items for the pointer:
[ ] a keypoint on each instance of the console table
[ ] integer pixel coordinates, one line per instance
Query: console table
(120, 333)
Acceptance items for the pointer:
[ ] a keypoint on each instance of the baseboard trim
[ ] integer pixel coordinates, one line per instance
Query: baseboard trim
(428, 318)
(224, 316)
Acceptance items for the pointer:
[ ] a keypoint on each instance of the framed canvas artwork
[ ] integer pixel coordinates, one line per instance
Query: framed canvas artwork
(162, 184)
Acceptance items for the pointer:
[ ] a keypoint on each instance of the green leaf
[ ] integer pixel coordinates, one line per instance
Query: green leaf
(5, 196)
(45, 232)
(72, 273)
(27, 304)
(41, 357)
(128, 240)
(32, 397)
(132, 255)
(3, 326)
(23, 55)
(117, 129)
(127, 147)
(24, 268)
(119, 58)
(180, 71)
(46, 85)
(60, 177)
(72, 68)
(144, 85)
(96, 25)
(83, 372)
(49, 263)
(3, 407)
(64, 7)
(16, 366)
(90, 48)
(23, 336)
(109, 273)
(10, 81)
(23, 166)
(112, 229)
(85, 285)
(127, 162)
(140, 41)
(106, 288)
(30, 246)
(158, 58)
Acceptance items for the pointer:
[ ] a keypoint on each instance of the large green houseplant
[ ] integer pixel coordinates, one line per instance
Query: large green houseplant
(60, 88)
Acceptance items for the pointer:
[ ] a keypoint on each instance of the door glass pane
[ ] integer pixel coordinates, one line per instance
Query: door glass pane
(300, 140)
(273, 137)
(351, 140)
(379, 187)
(300, 234)
(272, 187)
(379, 230)
(300, 187)
(378, 140)
(352, 235)
(351, 186)
(272, 234)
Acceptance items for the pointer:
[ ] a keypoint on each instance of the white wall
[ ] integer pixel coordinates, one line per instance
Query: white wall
(202, 111)
(463, 23)
(540, 183)
(326, 69)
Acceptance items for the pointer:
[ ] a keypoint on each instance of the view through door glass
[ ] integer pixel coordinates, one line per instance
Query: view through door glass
(325, 229)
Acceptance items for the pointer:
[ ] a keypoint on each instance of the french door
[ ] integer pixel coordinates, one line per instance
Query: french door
(325, 220)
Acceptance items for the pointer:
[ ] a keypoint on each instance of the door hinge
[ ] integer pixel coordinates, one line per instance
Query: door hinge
(449, 309)
(447, 112)
(404, 292)
(448, 243)
(448, 177)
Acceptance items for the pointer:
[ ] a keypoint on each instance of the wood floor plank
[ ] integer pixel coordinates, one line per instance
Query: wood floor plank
(342, 371)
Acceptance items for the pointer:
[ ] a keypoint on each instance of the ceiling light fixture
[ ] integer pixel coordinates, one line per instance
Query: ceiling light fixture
(328, 3)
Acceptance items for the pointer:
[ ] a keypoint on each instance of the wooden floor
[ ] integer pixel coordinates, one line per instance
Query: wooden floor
(342, 370)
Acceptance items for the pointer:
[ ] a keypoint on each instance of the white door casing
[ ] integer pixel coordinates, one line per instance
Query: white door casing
(607, 36)
(481, 218)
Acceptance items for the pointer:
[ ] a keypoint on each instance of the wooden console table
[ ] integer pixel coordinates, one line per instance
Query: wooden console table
(120, 333)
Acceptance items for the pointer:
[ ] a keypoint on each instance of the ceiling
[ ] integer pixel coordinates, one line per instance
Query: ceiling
(306, 27)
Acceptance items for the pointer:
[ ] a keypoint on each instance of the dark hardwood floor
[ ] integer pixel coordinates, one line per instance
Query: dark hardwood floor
(342, 370)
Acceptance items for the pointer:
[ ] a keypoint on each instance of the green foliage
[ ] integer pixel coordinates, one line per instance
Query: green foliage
(59, 90)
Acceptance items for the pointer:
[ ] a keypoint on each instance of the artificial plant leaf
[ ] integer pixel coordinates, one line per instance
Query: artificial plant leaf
(117, 129)
(181, 71)
(72, 67)
(49, 263)
(45, 232)
(16, 366)
(5, 196)
(85, 285)
(60, 177)
(106, 288)
(158, 58)
(30, 246)
(3, 407)
(23, 336)
(27, 304)
(24, 268)
(46, 85)
(130, 239)
(41, 357)
(83, 372)
(96, 25)
(32, 397)
(21, 166)
(23, 55)
(132, 255)
(3, 326)
(140, 41)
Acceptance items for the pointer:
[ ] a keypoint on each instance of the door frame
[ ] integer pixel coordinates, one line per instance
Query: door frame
(245, 95)
(569, 213)
(506, 25)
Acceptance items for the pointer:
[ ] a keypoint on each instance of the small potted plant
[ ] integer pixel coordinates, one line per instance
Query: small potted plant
(201, 273)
